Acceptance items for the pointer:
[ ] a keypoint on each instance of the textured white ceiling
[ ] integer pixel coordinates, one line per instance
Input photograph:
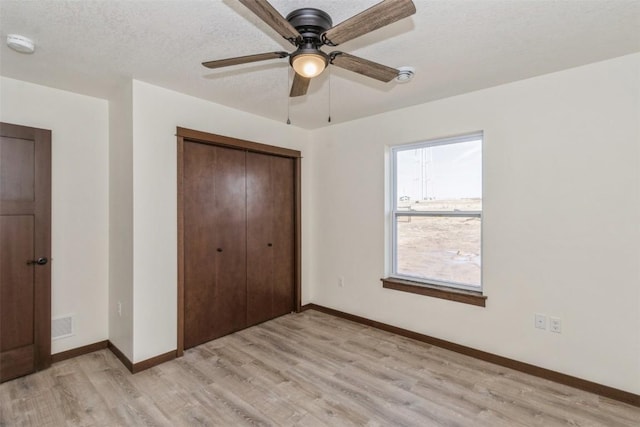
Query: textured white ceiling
(456, 46)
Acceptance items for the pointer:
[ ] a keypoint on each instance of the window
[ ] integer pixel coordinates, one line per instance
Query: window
(437, 212)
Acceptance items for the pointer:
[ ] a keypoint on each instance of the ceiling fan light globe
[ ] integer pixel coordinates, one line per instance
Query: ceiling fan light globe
(309, 65)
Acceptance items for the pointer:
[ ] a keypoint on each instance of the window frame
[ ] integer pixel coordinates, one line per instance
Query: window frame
(395, 213)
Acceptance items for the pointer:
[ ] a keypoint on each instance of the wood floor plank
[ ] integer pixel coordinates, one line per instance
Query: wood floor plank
(307, 369)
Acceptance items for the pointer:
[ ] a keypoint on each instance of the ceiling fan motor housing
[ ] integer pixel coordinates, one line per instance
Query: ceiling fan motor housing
(310, 23)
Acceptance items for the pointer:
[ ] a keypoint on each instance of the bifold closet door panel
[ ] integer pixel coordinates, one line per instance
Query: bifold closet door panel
(260, 217)
(283, 202)
(270, 237)
(214, 242)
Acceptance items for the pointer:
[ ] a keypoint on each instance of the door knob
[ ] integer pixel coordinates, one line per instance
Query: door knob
(39, 261)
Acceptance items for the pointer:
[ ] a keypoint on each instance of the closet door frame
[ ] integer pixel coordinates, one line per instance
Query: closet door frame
(189, 135)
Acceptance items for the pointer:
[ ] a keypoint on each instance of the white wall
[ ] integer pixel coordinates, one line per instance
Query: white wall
(121, 219)
(561, 225)
(156, 114)
(80, 239)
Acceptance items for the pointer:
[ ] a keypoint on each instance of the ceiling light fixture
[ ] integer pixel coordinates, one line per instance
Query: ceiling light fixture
(309, 62)
(20, 43)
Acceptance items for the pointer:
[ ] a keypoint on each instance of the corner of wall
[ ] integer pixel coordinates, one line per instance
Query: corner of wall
(120, 310)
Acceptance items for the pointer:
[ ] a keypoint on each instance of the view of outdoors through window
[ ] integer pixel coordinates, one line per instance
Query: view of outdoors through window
(438, 212)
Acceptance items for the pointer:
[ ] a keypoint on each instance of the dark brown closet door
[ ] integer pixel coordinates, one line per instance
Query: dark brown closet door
(214, 242)
(270, 237)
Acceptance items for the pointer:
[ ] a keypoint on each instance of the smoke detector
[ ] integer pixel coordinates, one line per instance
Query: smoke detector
(405, 74)
(20, 43)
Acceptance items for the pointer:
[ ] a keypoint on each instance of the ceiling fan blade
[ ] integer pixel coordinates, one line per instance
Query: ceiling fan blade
(244, 59)
(263, 10)
(377, 16)
(363, 66)
(299, 86)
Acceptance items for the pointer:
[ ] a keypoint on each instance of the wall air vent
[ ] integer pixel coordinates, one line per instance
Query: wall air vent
(62, 327)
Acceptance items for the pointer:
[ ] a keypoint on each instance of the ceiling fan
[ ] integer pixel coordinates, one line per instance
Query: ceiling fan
(308, 29)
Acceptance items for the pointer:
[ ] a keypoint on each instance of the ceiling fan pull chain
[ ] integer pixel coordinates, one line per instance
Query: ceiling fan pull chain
(288, 98)
(329, 119)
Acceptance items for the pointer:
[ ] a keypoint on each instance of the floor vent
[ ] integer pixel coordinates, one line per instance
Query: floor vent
(61, 327)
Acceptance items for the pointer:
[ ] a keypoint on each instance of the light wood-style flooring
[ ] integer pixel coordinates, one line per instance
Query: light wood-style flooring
(307, 369)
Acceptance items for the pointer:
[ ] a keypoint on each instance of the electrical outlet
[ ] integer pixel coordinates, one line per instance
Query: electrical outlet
(540, 321)
(119, 309)
(555, 325)
(341, 282)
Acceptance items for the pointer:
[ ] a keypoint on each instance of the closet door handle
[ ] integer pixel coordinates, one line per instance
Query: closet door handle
(219, 249)
(269, 244)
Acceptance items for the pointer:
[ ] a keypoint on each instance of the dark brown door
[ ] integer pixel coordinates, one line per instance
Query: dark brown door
(25, 247)
(270, 237)
(214, 242)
